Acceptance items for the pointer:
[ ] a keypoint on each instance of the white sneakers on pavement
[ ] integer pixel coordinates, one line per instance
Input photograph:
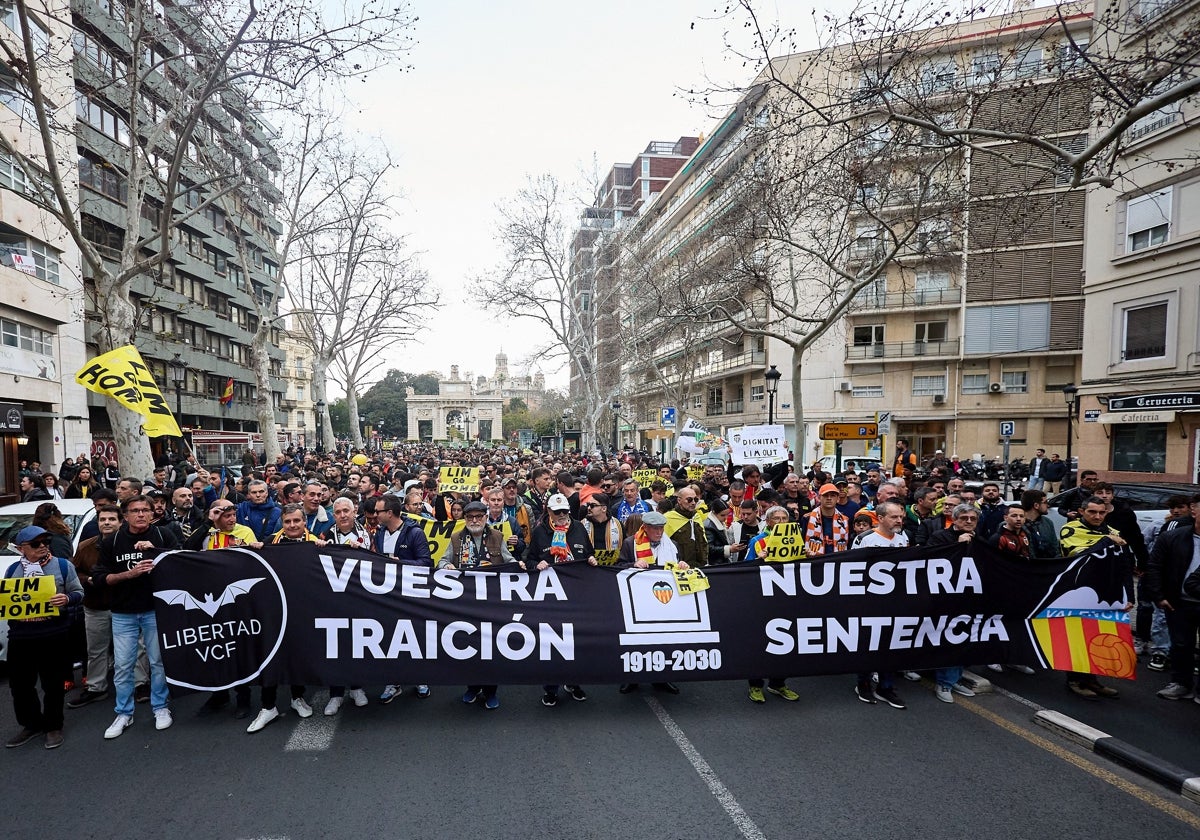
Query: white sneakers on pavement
(263, 718)
(118, 726)
(944, 693)
(359, 697)
(163, 719)
(302, 708)
(333, 706)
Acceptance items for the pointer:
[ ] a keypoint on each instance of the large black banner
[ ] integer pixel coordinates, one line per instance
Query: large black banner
(337, 616)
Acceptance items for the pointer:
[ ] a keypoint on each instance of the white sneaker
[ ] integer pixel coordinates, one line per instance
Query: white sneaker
(302, 708)
(911, 676)
(964, 690)
(1022, 669)
(999, 669)
(118, 726)
(333, 706)
(359, 697)
(163, 719)
(264, 717)
(944, 694)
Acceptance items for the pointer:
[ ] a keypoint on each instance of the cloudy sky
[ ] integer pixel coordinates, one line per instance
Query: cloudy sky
(502, 91)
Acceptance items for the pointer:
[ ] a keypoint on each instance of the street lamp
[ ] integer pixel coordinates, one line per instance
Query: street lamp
(616, 406)
(772, 376)
(320, 426)
(1071, 395)
(379, 431)
(177, 371)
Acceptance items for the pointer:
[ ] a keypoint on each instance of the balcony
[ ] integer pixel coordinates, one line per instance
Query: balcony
(869, 300)
(714, 409)
(755, 359)
(735, 406)
(901, 350)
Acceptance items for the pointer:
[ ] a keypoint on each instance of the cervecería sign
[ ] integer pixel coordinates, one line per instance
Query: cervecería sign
(1143, 402)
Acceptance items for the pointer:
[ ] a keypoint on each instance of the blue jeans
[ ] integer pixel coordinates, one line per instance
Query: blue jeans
(948, 676)
(1160, 636)
(1036, 482)
(126, 628)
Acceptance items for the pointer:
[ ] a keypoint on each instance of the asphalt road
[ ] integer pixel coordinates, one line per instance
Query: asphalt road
(704, 764)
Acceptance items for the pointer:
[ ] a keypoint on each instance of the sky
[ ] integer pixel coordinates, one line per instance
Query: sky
(499, 92)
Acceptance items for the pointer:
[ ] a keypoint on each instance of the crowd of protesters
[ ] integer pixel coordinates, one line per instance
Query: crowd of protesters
(554, 508)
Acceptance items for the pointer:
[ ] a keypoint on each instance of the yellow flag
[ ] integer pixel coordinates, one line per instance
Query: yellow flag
(122, 375)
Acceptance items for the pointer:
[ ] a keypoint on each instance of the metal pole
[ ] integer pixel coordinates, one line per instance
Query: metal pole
(770, 408)
(1070, 482)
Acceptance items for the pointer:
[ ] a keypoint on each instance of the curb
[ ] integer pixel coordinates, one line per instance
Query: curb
(1181, 781)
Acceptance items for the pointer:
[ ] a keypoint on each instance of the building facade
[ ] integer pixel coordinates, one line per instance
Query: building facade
(205, 301)
(456, 406)
(1139, 398)
(43, 414)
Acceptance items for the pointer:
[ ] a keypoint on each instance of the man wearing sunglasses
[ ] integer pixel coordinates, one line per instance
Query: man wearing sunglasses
(126, 561)
(39, 648)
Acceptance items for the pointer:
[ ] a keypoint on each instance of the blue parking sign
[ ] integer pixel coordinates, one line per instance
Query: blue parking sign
(668, 418)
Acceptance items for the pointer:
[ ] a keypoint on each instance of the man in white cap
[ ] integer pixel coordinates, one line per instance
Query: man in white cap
(39, 648)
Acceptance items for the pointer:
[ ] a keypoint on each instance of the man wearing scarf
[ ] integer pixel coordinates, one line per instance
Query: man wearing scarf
(644, 549)
(559, 539)
(475, 546)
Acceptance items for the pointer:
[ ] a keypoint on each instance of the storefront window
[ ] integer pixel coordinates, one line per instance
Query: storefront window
(1140, 447)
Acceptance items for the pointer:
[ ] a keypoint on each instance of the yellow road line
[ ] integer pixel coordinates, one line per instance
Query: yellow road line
(1136, 791)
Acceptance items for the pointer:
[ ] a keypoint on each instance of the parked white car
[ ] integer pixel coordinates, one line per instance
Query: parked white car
(76, 513)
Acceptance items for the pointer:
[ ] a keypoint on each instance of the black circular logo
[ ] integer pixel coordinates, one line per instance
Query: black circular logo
(221, 616)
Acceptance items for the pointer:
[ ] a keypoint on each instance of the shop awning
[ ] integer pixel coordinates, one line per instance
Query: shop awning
(659, 434)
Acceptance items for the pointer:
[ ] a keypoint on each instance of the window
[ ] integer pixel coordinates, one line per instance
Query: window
(1147, 220)
(1140, 447)
(975, 383)
(867, 391)
(697, 401)
(102, 177)
(985, 68)
(299, 393)
(866, 238)
(928, 386)
(1145, 332)
(645, 167)
(29, 255)
(14, 178)
(1007, 328)
(757, 393)
(1029, 63)
(1015, 381)
(928, 331)
(938, 76)
(878, 137)
(25, 337)
(1070, 55)
(585, 302)
(868, 334)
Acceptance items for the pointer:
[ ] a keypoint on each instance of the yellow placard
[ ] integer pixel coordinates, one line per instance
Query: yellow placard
(27, 597)
(122, 375)
(505, 529)
(695, 472)
(607, 556)
(458, 480)
(438, 533)
(645, 477)
(785, 543)
(690, 581)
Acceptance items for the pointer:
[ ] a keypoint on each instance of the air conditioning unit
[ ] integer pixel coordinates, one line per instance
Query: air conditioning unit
(846, 387)
(995, 388)
(939, 399)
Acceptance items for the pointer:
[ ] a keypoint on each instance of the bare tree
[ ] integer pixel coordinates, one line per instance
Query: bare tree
(536, 283)
(183, 101)
(355, 288)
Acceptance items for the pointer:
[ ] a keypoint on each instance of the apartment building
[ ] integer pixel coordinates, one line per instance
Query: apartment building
(1139, 396)
(596, 254)
(41, 312)
(200, 303)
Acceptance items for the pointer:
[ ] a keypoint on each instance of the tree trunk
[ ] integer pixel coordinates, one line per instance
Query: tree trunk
(801, 450)
(264, 406)
(119, 317)
(324, 424)
(352, 407)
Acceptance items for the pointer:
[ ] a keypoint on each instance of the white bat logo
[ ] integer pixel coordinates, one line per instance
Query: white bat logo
(208, 604)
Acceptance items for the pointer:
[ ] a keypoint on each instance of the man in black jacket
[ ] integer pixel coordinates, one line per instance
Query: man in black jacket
(123, 570)
(1176, 555)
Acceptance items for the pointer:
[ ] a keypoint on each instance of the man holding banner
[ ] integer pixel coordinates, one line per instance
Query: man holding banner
(39, 648)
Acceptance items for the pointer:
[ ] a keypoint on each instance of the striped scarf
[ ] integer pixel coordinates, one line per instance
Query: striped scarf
(219, 539)
(815, 541)
(558, 544)
(641, 547)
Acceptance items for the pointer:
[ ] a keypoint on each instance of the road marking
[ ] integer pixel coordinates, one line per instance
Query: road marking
(741, 820)
(316, 733)
(1136, 791)
(1003, 692)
